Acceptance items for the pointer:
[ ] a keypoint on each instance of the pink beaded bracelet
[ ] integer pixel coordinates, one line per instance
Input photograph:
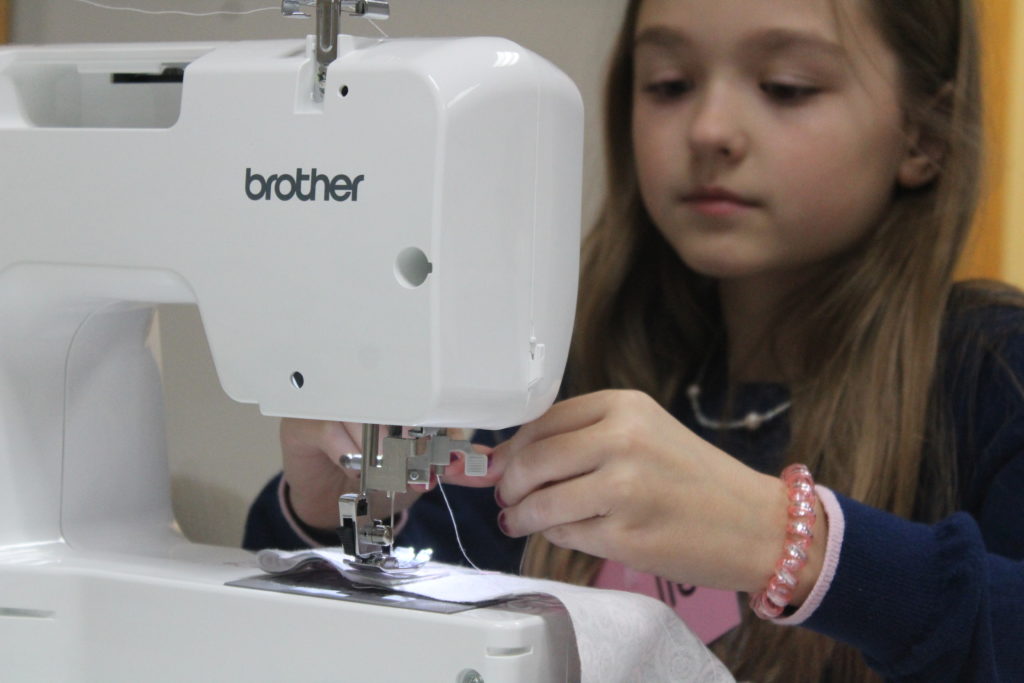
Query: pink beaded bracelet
(769, 603)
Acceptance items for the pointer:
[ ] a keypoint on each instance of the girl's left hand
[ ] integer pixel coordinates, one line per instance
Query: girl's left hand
(614, 475)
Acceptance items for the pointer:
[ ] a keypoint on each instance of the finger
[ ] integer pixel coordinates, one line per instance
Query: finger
(351, 437)
(307, 438)
(334, 440)
(556, 458)
(456, 472)
(554, 506)
(588, 535)
(345, 438)
(571, 414)
(498, 459)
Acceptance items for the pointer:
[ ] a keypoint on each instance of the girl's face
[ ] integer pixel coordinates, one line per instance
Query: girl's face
(768, 135)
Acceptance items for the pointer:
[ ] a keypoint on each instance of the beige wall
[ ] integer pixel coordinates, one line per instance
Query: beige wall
(222, 452)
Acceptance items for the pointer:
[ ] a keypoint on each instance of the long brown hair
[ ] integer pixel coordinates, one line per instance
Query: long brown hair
(866, 394)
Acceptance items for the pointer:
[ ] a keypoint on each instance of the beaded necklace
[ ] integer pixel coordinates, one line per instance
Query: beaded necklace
(752, 421)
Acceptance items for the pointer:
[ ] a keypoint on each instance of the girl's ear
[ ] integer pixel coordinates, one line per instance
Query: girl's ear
(925, 150)
(918, 168)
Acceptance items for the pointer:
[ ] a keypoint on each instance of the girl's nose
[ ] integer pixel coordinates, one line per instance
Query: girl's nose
(715, 127)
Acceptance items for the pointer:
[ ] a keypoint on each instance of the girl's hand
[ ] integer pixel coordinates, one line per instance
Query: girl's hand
(312, 451)
(614, 475)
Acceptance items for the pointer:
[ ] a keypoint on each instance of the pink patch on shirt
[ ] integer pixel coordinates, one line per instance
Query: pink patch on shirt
(708, 612)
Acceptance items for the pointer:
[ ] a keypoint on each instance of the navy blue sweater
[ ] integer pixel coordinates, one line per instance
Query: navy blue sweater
(922, 602)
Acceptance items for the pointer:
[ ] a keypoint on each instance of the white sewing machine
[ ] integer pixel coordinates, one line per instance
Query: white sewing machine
(399, 248)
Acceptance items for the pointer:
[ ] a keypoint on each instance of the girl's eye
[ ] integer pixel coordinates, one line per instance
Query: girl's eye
(787, 93)
(668, 90)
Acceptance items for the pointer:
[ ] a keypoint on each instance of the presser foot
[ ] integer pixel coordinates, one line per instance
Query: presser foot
(370, 543)
(361, 536)
(400, 560)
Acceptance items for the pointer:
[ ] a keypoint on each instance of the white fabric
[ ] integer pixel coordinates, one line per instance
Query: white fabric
(620, 636)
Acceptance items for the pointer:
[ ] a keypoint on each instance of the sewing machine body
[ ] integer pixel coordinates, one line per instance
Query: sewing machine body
(404, 252)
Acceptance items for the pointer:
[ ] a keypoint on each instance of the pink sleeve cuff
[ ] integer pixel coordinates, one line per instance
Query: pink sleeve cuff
(401, 518)
(286, 510)
(833, 545)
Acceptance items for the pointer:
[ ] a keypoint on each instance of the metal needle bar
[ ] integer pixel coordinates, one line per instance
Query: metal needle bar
(328, 21)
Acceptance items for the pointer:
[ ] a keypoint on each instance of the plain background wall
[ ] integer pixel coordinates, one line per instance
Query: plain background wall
(222, 452)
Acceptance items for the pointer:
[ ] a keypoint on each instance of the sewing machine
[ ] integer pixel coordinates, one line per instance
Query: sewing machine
(388, 237)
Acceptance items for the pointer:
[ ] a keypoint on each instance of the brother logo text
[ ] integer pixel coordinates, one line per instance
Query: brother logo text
(340, 188)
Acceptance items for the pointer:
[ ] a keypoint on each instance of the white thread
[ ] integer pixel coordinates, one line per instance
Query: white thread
(455, 526)
(176, 12)
(374, 24)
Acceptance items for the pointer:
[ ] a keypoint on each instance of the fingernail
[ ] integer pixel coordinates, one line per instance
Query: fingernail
(497, 498)
(502, 523)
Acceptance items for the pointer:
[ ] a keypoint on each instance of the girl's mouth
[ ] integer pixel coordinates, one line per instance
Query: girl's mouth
(716, 201)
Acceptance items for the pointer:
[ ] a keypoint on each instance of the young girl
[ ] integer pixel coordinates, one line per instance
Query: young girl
(771, 284)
